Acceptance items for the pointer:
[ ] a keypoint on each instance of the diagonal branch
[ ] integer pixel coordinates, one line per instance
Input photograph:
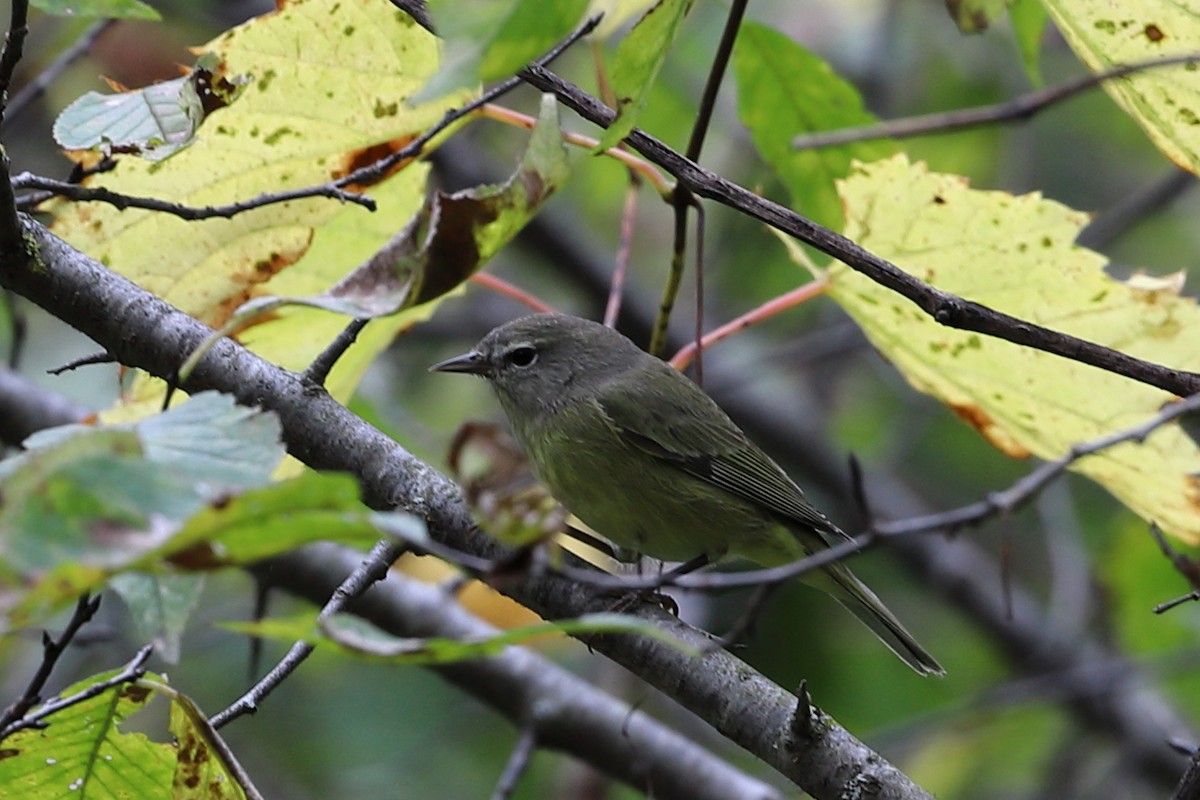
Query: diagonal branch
(132, 671)
(945, 308)
(534, 693)
(562, 711)
(142, 330)
(14, 47)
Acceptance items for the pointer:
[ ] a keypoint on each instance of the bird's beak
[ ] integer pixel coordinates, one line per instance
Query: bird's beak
(471, 363)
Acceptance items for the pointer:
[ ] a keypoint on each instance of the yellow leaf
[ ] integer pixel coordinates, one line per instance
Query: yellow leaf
(1164, 101)
(328, 92)
(1016, 255)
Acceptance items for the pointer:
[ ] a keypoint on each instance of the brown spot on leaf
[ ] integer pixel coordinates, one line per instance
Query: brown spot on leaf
(250, 277)
(453, 253)
(365, 157)
(535, 187)
(193, 754)
(215, 90)
(137, 694)
(199, 557)
(981, 421)
(1154, 33)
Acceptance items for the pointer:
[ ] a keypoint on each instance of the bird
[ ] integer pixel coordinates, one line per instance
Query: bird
(648, 460)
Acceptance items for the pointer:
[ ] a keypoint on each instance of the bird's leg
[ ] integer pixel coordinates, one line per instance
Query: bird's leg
(628, 600)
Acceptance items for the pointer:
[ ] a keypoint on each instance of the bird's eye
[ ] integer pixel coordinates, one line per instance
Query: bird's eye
(521, 356)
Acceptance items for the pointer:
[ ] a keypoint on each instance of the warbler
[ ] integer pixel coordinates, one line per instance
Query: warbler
(642, 455)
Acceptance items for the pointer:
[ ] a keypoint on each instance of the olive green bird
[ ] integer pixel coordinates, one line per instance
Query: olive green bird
(642, 455)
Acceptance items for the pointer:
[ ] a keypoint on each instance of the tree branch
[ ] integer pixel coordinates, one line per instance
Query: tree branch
(945, 308)
(141, 330)
(1018, 109)
(564, 712)
(26, 409)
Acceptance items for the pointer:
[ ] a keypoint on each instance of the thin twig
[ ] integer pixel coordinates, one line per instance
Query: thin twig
(37, 87)
(635, 163)
(98, 194)
(373, 568)
(335, 189)
(945, 308)
(658, 332)
(1019, 108)
(517, 764)
(14, 46)
(52, 650)
(132, 671)
(1189, 784)
(616, 287)
(1190, 597)
(83, 361)
(995, 503)
(1114, 222)
(501, 286)
(1189, 568)
(12, 246)
(698, 330)
(756, 315)
(318, 371)
(682, 198)
(716, 75)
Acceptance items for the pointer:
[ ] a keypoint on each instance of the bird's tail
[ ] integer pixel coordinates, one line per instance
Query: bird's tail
(862, 603)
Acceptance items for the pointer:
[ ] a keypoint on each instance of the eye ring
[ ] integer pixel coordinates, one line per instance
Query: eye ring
(521, 356)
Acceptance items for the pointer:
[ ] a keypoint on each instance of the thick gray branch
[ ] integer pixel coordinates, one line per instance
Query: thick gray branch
(564, 712)
(141, 330)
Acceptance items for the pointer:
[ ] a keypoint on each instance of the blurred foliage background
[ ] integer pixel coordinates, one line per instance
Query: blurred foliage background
(340, 729)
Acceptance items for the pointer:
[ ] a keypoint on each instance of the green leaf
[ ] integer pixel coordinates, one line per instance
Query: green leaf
(783, 91)
(154, 122)
(639, 58)
(85, 550)
(531, 28)
(214, 439)
(460, 30)
(204, 769)
(1029, 18)
(160, 606)
(363, 639)
(105, 9)
(84, 504)
(281, 517)
(70, 504)
(84, 753)
(209, 438)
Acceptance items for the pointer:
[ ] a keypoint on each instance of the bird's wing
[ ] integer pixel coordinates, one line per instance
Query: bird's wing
(686, 428)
